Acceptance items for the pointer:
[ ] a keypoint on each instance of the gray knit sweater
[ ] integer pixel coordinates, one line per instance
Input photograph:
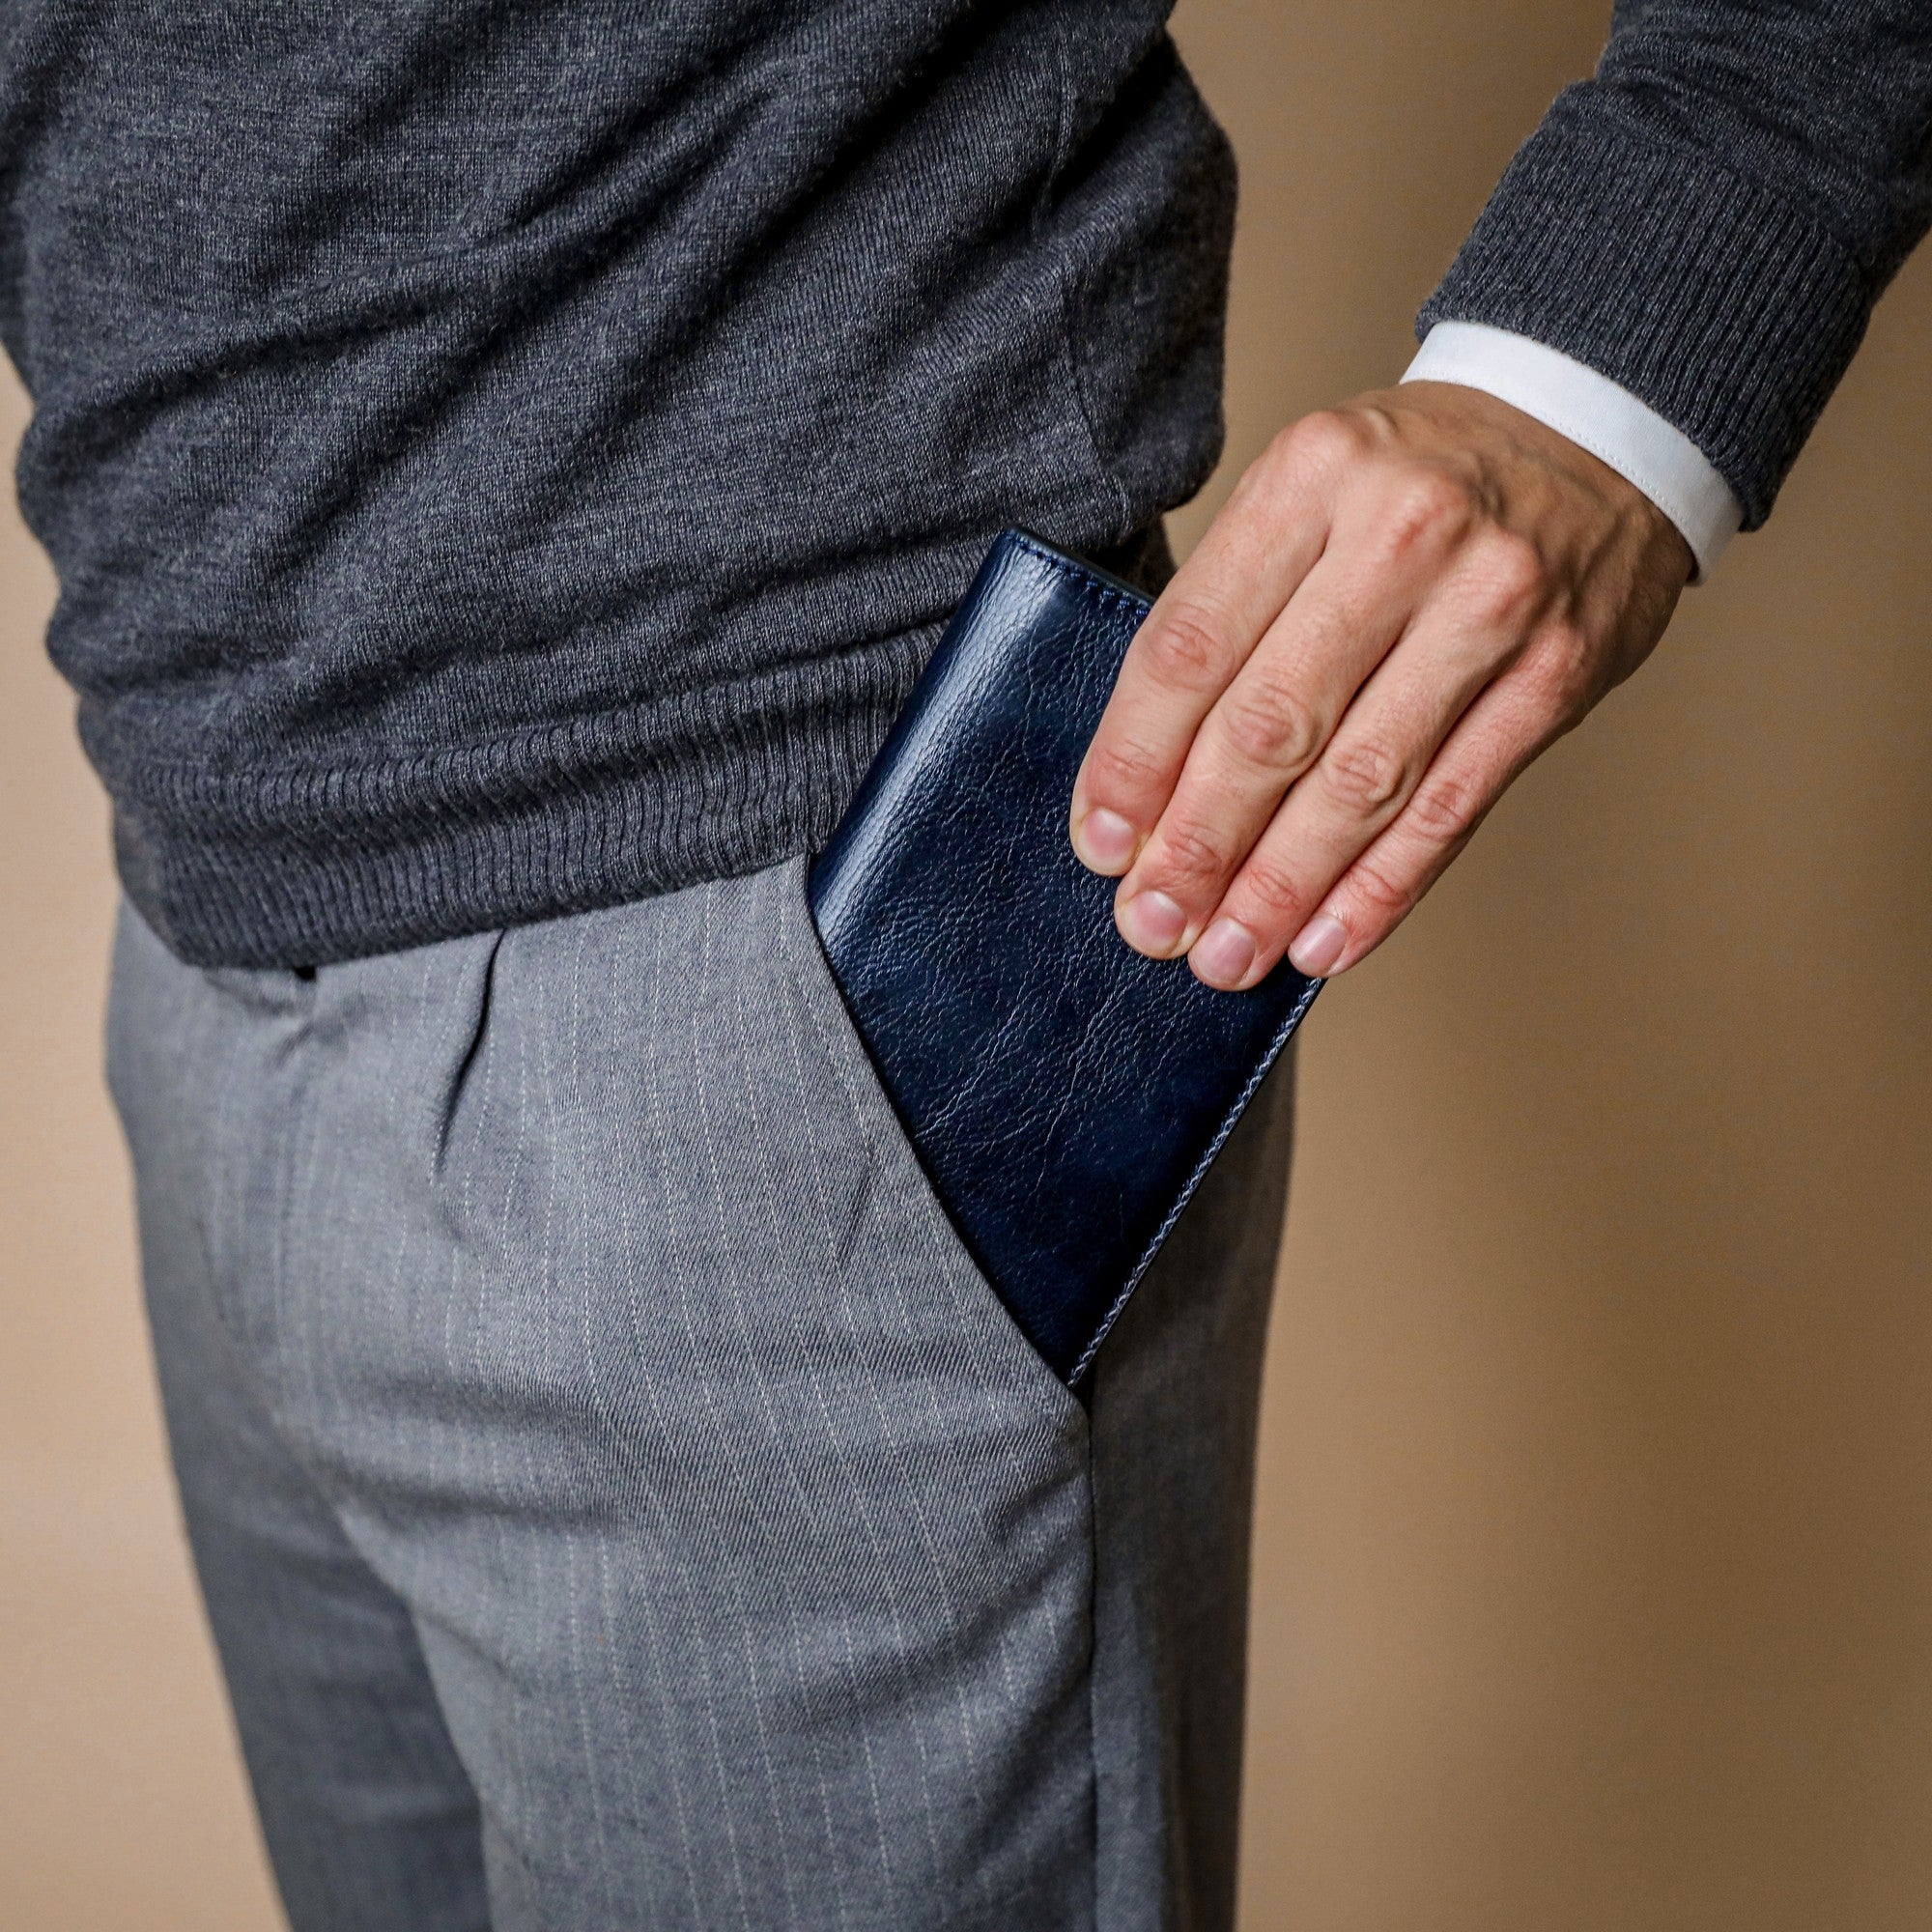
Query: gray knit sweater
(504, 459)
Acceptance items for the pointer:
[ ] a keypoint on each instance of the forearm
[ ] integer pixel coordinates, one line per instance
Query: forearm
(1709, 221)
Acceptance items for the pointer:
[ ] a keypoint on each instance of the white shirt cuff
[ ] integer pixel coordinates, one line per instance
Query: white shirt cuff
(1595, 413)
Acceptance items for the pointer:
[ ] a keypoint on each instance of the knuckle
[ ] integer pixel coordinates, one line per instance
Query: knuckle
(1557, 669)
(1507, 577)
(1366, 775)
(1424, 506)
(1444, 807)
(1318, 443)
(1182, 854)
(1267, 885)
(1306, 456)
(1374, 888)
(1270, 725)
(1124, 767)
(1184, 648)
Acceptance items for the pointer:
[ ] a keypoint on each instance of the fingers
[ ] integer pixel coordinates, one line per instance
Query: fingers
(1199, 633)
(1267, 729)
(1328, 916)
(1403, 602)
(1361, 752)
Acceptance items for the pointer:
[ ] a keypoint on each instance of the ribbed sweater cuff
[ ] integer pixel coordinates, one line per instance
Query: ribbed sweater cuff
(1722, 305)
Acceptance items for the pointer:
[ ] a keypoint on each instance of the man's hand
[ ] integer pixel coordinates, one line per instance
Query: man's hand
(1403, 602)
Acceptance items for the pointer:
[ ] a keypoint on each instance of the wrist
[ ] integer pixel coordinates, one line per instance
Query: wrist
(1550, 487)
(1596, 414)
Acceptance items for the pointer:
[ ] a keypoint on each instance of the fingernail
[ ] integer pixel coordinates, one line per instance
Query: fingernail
(1223, 954)
(1104, 841)
(1317, 945)
(1152, 922)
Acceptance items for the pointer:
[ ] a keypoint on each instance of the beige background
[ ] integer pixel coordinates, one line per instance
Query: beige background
(1595, 1580)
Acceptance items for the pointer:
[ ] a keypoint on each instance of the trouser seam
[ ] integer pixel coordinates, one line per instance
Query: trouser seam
(1094, 1677)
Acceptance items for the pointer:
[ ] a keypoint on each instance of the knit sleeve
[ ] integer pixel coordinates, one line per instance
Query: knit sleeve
(1710, 219)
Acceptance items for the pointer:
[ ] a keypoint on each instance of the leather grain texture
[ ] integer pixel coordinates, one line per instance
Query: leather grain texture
(1063, 1095)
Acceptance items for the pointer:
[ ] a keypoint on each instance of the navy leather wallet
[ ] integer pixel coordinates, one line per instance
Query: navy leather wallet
(1063, 1095)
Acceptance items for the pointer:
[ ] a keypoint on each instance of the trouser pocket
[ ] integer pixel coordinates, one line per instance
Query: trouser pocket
(916, 1207)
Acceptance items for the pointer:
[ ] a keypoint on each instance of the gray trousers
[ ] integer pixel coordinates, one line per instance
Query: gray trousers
(618, 1500)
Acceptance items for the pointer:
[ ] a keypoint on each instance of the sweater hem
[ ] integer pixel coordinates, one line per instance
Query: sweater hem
(288, 868)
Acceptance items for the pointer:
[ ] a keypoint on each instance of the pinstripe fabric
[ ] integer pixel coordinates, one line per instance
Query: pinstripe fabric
(619, 1501)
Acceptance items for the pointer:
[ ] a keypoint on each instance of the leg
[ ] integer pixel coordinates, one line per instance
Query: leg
(755, 1556)
(1176, 1402)
(370, 1818)
(748, 1542)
